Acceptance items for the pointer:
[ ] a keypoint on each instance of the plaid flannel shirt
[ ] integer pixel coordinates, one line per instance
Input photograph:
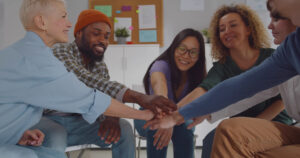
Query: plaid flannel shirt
(95, 77)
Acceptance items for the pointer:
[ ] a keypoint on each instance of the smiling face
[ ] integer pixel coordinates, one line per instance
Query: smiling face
(183, 54)
(57, 24)
(286, 8)
(233, 31)
(281, 28)
(94, 39)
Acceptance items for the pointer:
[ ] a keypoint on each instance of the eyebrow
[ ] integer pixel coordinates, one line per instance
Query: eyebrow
(234, 20)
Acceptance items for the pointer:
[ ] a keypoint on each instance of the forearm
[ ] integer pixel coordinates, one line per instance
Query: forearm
(272, 111)
(117, 109)
(244, 104)
(237, 88)
(131, 96)
(196, 93)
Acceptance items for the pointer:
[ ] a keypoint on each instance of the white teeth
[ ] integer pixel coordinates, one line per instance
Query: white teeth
(184, 62)
(100, 49)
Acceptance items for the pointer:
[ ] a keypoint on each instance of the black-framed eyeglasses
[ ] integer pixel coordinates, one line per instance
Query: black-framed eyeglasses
(193, 53)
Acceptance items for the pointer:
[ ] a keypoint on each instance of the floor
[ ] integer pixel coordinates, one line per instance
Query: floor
(98, 153)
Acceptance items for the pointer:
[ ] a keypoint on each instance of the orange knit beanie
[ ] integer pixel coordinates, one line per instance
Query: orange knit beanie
(90, 16)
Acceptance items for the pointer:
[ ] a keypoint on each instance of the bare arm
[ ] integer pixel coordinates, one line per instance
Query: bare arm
(196, 93)
(117, 109)
(159, 84)
(272, 111)
(152, 102)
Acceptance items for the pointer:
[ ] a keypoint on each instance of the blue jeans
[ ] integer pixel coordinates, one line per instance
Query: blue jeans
(207, 144)
(17, 151)
(182, 139)
(66, 131)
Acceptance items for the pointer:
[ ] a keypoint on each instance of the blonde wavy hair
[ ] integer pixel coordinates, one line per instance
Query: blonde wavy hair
(258, 38)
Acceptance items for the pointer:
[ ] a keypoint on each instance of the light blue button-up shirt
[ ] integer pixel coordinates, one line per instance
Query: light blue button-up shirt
(32, 79)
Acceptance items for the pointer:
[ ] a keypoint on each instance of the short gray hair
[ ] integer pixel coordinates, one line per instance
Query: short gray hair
(31, 8)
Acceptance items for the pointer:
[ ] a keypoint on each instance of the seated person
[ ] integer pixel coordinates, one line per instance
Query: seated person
(174, 74)
(273, 139)
(239, 43)
(84, 58)
(33, 79)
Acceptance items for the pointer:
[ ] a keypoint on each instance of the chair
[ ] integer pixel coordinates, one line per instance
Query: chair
(83, 148)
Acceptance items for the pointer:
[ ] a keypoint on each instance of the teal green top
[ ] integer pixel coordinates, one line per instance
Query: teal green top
(222, 71)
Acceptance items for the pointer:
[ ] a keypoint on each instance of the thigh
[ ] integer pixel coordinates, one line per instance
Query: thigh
(248, 136)
(290, 151)
(183, 141)
(55, 134)
(138, 125)
(16, 151)
(207, 144)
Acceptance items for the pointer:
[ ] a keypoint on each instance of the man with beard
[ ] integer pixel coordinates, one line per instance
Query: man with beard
(84, 57)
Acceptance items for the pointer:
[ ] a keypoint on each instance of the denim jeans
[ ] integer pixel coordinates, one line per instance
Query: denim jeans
(66, 131)
(207, 144)
(17, 151)
(182, 139)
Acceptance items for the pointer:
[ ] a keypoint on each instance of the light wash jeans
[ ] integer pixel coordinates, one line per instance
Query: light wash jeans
(63, 131)
(182, 138)
(17, 151)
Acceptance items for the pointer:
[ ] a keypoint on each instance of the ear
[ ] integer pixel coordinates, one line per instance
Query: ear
(79, 34)
(40, 22)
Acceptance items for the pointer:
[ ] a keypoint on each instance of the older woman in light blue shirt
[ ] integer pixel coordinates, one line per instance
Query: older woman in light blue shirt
(32, 79)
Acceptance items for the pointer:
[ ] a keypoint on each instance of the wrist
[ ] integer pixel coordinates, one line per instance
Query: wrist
(178, 117)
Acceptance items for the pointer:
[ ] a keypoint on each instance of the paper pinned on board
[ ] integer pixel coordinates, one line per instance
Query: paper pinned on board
(147, 16)
(148, 36)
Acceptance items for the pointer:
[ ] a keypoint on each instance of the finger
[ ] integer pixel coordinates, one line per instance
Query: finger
(105, 132)
(117, 135)
(32, 135)
(156, 137)
(151, 124)
(154, 110)
(41, 136)
(100, 130)
(193, 124)
(110, 134)
(170, 104)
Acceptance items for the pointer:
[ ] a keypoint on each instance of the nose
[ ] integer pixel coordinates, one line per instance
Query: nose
(69, 24)
(186, 54)
(270, 26)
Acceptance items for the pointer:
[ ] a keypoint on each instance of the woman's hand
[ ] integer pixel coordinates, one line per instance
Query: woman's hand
(162, 138)
(32, 138)
(167, 121)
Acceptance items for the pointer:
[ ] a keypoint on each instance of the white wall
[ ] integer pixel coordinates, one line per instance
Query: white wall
(174, 19)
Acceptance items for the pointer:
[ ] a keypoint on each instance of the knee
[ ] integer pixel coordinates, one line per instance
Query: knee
(126, 129)
(16, 152)
(56, 138)
(231, 127)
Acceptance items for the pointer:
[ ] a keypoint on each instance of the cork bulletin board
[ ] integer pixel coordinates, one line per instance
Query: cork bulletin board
(143, 18)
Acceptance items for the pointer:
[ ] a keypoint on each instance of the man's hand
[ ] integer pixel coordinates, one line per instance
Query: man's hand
(32, 137)
(110, 130)
(162, 138)
(157, 104)
(197, 120)
(167, 121)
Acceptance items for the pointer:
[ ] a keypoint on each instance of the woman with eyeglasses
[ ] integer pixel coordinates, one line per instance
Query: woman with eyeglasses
(174, 74)
(239, 43)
